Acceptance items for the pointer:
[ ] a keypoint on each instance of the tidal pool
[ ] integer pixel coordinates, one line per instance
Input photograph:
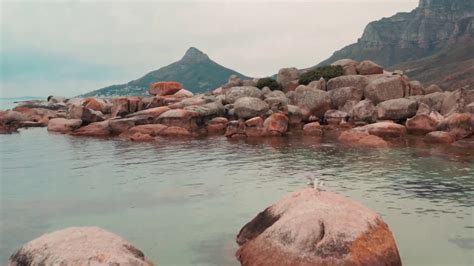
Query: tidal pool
(182, 202)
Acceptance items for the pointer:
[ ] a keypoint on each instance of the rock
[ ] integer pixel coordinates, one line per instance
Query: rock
(184, 93)
(313, 129)
(276, 124)
(235, 129)
(8, 129)
(151, 113)
(352, 136)
(135, 104)
(368, 67)
(340, 96)
(432, 89)
(286, 76)
(458, 125)
(385, 88)
(56, 99)
(254, 127)
(470, 108)
(266, 91)
(79, 246)
(421, 124)
(465, 144)
(248, 107)
(311, 101)
(456, 101)
(217, 125)
(236, 93)
(96, 129)
(120, 107)
(96, 105)
(384, 129)
(213, 109)
(63, 125)
(372, 141)
(150, 129)
(294, 115)
(439, 137)
(10, 117)
(356, 81)
(234, 81)
(364, 111)
(174, 131)
(434, 100)
(194, 101)
(335, 117)
(277, 101)
(396, 109)
(42, 105)
(118, 126)
(415, 88)
(140, 137)
(164, 88)
(86, 115)
(179, 118)
(349, 66)
(318, 84)
(423, 109)
(311, 227)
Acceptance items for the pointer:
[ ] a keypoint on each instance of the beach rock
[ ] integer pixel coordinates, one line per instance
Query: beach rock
(416, 88)
(312, 227)
(63, 125)
(312, 101)
(372, 141)
(276, 124)
(37, 104)
(396, 109)
(287, 76)
(254, 127)
(432, 89)
(248, 107)
(120, 107)
(86, 115)
(364, 111)
(164, 88)
(313, 129)
(193, 101)
(10, 117)
(96, 105)
(184, 93)
(434, 100)
(385, 88)
(421, 124)
(213, 109)
(79, 246)
(235, 129)
(318, 84)
(96, 129)
(174, 131)
(8, 129)
(135, 104)
(236, 93)
(349, 66)
(56, 99)
(352, 137)
(151, 113)
(150, 129)
(140, 137)
(179, 118)
(294, 115)
(277, 104)
(458, 125)
(439, 137)
(118, 126)
(470, 108)
(368, 67)
(423, 109)
(335, 117)
(234, 81)
(384, 129)
(357, 81)
(217, 126)
(340, 96)
(456, 101)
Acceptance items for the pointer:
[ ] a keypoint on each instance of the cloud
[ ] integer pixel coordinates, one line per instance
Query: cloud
(92, 43)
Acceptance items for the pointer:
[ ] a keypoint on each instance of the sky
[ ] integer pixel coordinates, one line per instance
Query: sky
(68, 48)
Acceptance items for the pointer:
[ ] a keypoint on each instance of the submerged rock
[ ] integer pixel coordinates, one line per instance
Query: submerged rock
(79, 246)
(439, 137)
(313, 129)
(312, 227)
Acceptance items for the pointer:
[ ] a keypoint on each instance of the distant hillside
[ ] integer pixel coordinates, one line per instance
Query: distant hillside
(435, 33)
(196, 71)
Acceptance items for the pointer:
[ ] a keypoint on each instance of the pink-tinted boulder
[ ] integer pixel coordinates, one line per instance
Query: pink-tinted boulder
(313, 129)
(276, 124)
(63, 125)
(217, 126)
(174, 131)
(368, 67)
(421, 124)
(384, 129)
(150, 129)
(97, 129)
(458, 125)
(165, 88)
(439, 137)
(179, 118)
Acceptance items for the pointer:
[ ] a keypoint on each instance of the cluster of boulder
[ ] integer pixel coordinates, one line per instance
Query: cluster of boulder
(307, 227)
(370, 104)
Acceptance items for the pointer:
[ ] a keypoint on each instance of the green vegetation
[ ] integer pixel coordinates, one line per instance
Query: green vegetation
(326, 72)
(268, 82)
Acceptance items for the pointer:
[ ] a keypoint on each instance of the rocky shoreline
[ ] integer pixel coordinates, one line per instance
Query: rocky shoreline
(368, 105)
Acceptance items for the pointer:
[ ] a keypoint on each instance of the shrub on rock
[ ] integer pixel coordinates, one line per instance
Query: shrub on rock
(326, 72)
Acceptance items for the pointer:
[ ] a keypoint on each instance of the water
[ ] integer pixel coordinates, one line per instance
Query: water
(182, 202)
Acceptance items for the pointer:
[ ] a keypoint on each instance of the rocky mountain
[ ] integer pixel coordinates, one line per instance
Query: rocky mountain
(196, 71)
(436, 33)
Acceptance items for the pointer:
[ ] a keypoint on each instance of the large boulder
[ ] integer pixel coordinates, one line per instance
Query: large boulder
(368, 67)
(96, 105)
(432, 89)
(421, 124)
(150, 129)
(179, 118)
(318, 84)
(118, 126)
(236, 93)
(312, 101)
(248, 107)
(286, 76)
(165, 88)
(416, 88)
(79, 246)
(384, 129)
(63, 125)
(151, 113)
(312, 227)
(340, 96)
(294, 115)
(397, 109)
(364, 111)
(356, 81)
(361, 139)
(439, 137)
(97, 129)
(434, 100)
(313, 129)
(213, 109)
(335, 117)
(458, 125)
(457, 101)
(120, 107)
(236, 129)
(385, 88)
(349, 66)
(254, 127)
(276, 124)
(86, 115)
(217, 126)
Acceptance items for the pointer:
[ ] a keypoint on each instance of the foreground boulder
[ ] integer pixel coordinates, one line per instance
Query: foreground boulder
(312, 101)
(340, 96)
(397, 109)
(276, 124)
(384, 129)
(458, 125)
(63, 125)
(312, 227)
(421, 124)
(79, 246)
(248, 107)
(313, 129)
(164, 88)
(364, 111)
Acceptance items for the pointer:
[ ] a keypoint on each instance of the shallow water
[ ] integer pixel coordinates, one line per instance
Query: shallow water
(182, 202)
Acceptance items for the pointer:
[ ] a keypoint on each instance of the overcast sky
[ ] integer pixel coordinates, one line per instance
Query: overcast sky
(68, 48)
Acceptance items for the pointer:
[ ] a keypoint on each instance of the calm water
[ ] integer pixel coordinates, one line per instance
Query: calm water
(183, 202)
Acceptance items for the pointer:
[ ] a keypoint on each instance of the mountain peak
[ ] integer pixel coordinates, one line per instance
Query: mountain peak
(194, 54)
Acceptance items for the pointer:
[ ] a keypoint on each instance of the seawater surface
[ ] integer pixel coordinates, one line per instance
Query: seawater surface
(182, 202)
